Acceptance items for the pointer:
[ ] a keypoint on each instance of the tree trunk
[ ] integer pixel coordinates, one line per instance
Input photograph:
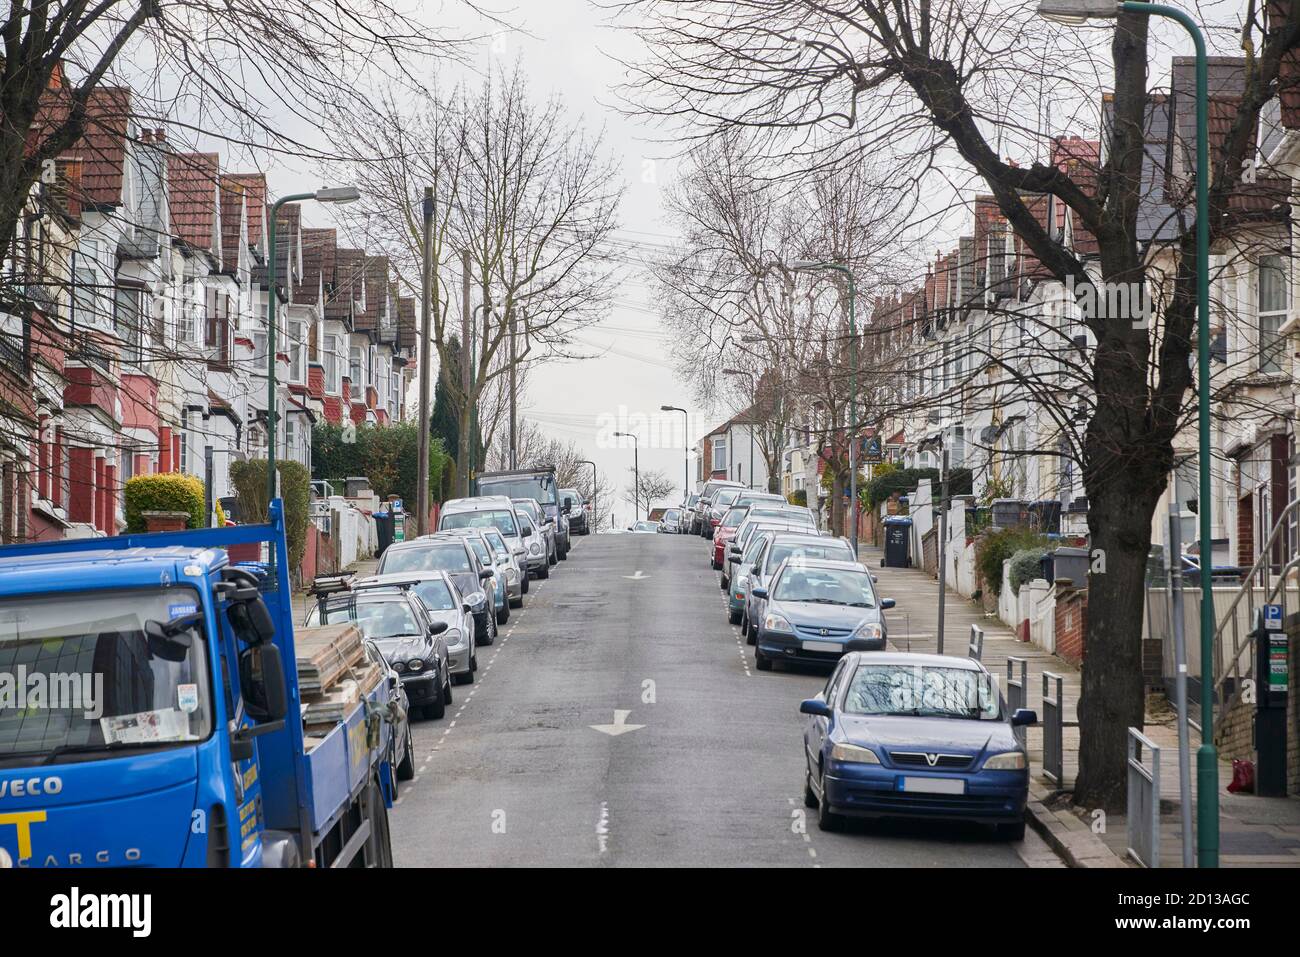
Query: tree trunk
(837, 503)
(1112, 698)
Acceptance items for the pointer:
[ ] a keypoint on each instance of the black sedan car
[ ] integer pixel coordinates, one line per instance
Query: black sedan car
(579, 523)
(814, 609)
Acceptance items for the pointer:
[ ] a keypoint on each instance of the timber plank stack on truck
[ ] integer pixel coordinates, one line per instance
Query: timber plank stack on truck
(172, 730)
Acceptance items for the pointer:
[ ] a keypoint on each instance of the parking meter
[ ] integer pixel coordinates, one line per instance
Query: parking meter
(1272, 677)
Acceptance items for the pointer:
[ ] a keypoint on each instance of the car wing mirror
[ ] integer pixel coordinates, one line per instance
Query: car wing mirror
(1023, 716)
(815, 706)
(437, 628)
(886, 603)
(484, 574)
(759, 592)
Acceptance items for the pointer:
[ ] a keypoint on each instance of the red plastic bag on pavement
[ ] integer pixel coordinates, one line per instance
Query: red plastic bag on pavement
(1243, 776)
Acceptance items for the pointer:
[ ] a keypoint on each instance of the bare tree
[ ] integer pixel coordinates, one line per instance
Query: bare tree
(524, 195)
(945, 88)
(647, 487)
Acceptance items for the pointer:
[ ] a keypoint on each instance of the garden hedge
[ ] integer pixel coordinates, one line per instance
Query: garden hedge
(163, 492)
(249, 480)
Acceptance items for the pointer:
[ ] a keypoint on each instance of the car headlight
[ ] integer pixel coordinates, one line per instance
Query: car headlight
(853, 754)
(870, 630)
(774, 622)
(399, 666)
(415, 664)
(535, 548)
(453, 637)
(512, 574)
(1006, 761)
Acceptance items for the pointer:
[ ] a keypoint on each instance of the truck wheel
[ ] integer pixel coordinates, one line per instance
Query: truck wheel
(379, 853)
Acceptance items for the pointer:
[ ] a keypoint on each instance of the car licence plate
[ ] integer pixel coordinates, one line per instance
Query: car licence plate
(822, 646)
(934, 785)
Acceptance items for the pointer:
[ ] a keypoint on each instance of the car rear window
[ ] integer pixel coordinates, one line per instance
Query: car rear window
(429, 558)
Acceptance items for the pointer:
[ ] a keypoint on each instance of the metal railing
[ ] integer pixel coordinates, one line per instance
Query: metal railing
(1054, 725)
(1143, 823)
(1018, 691)
(976, 647)
(1239, 664)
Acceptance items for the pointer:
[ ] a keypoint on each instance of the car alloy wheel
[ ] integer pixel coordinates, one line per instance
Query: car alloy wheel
(439, 707)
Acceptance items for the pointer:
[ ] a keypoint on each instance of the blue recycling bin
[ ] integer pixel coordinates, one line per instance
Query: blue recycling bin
(898, 542)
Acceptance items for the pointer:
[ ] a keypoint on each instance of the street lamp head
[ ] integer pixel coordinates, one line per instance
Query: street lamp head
(1077, 12)
(804, 264)
(338, 194)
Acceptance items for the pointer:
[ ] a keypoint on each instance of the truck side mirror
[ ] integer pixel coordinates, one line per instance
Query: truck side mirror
(251, 621)
(261, 680)
(567, 507)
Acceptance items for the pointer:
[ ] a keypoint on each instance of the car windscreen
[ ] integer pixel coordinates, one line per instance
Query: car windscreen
(377, 618)
(734, 517)
(570, 498)
(725, 497)
(922, 690)
(829, 549)
(670, 515)
(502, 520)
(826, 586)
(481, 550)
(86, 677)
(450, 557)
(435, 594)
(531, 509)
(540, 488)
(498, 543)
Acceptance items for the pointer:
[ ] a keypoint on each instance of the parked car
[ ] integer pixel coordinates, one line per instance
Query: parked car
(401, 745)
(398, 622)
(579, 511)
(700, 525)
(536, 557)
(540, 522)
(753, 519)
(644, 525)
(514, 566)
(723, 533)
(814, 609)
(443, 601)
(776, 548)
(688, 513)
(487, 556)
(491, 511)
(718, 506)
(457, 558)
(670, 524)
(741, 581)
(914, 735)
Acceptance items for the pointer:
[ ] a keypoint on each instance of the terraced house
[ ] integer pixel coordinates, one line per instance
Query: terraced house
(133, 335)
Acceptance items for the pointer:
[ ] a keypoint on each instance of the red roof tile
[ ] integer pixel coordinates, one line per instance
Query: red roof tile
(254, 185)
(192, 196)
(232, 220)
(102, 149)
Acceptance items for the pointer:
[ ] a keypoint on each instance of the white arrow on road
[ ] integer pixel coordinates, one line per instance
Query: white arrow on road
(618, 727)
(639, 576)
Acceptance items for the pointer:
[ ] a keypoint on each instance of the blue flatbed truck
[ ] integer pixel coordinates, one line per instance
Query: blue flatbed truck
(153, 716)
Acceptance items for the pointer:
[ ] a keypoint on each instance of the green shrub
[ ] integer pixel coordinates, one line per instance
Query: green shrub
(1026, 565)
(996, 546)
(249, 480)
(165, 492)
(798, 497)
(387, 455)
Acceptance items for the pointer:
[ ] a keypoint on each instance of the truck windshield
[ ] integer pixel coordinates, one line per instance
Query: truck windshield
(79, 675)
(540, 488)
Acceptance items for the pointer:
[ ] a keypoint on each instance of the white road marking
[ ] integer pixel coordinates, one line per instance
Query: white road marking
(602, 827)
(620, 725)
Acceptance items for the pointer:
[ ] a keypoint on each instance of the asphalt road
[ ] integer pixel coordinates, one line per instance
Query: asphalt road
(515, 775)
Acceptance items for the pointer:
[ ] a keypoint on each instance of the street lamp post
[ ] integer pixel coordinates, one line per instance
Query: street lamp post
(1076, 13)
(807, 265)
(593, 488)
(686, 455)
(337, 194)
(636, 476)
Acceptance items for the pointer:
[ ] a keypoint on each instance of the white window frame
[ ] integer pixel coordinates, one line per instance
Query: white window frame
(1270, 319)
